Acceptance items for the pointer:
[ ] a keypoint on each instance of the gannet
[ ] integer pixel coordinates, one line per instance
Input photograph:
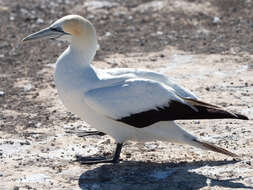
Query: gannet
(127, 104)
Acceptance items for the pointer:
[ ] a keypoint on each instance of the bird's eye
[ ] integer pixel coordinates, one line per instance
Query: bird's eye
(57, 29)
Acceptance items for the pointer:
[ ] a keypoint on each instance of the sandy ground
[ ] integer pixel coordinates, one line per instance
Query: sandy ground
(203, 45)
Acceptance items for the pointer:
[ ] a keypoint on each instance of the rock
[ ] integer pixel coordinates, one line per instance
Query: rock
(2, 93)
(153, 5)
(162, 55)
(108, 34)
(159, 33)
(216, 20)
(40, 21)
(151, 146)
(12, 18)
(25, 143)
(27, 87)
(38, 125)
(128, 155)
(91, 5)
(202, 134)
(15, 188)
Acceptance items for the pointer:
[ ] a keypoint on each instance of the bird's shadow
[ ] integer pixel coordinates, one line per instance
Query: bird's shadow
(147, 175)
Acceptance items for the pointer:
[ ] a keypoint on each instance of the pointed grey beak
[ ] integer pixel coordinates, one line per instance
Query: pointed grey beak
(46, 33)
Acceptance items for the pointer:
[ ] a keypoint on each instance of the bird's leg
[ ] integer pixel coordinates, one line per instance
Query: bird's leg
(81, 133)
(92, 160)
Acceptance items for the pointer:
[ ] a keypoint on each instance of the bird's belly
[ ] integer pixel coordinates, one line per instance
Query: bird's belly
(74, 102)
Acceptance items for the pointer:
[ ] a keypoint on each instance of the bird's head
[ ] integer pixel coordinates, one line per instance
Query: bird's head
(70, 28)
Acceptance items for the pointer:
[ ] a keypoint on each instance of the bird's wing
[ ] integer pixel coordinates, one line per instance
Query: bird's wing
(140, 103)
(147, 74)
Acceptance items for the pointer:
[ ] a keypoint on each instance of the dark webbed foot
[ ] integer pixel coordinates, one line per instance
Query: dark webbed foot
(97, 160)
(81, 133)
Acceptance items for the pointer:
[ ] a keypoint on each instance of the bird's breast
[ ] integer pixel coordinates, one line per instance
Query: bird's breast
(71, 86)
(71, 97)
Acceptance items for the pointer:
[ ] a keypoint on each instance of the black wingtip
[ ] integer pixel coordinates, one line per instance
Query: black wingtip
(243, 117)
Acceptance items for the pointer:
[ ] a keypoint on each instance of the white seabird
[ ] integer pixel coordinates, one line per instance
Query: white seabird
(127, 104)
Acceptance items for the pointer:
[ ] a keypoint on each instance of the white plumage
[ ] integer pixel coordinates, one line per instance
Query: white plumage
(127, 104)
(100, 98)
(133, 95)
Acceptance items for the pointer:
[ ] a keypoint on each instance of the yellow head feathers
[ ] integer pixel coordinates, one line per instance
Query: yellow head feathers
(75, 25)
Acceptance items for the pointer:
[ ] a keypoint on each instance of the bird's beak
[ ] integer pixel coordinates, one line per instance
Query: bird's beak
(52, 33)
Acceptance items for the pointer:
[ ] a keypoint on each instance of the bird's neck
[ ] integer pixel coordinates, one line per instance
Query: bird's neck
(84, 50)
(73, 70)
(74, 65)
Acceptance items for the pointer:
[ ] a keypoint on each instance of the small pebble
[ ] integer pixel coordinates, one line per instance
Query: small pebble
(108, 34)
(159, 33)
(37, 125)
(12, 18)
(248, 162)
(128, 155)
(2, 93)
(40, 21)
(202, 134)
(216, 20)
(25, 143)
